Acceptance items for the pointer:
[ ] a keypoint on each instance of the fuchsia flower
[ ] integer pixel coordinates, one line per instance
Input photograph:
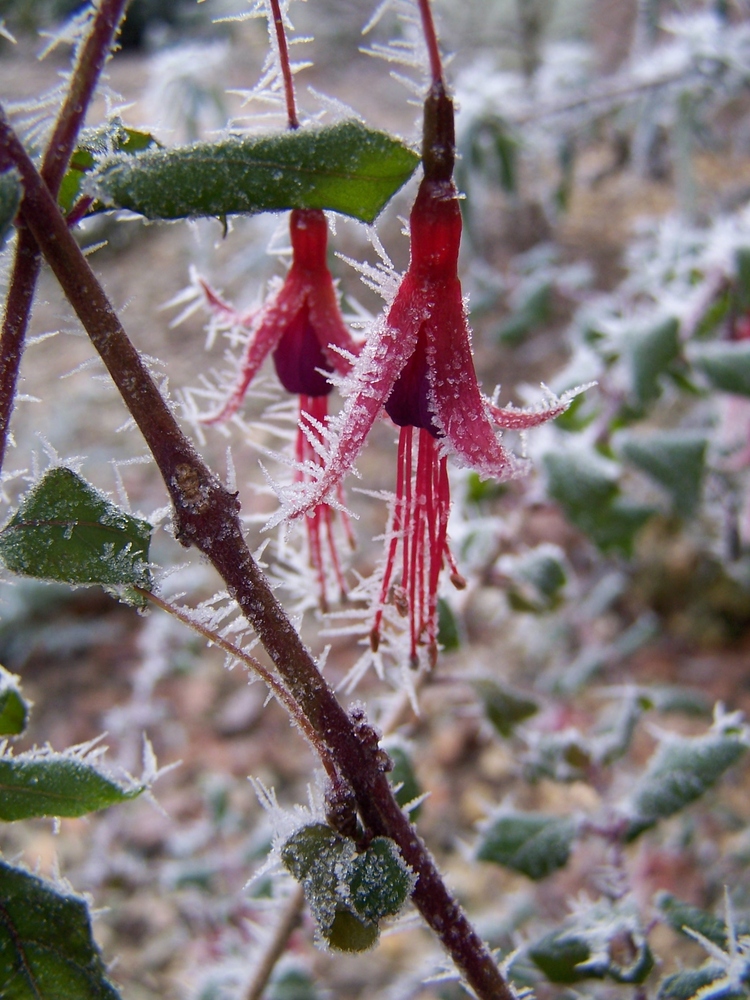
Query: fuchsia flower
(417, 365)
(301, 326)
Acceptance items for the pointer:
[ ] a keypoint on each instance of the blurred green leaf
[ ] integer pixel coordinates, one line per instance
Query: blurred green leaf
(742, 287)
(11, 192)
(345, 168)
(503, 707)
(402, 774)
(726, 365)
(448, 635)
(674, 459)
(607, 941)
(291, 984)
(682, 916)
(537, 579)
(14, 710)
(679, 772)
(66, 530)
(35, 785)
(533, 844)
(47, 951)
(689, 983)
(586, 488)
(650, 352)
(531, 311)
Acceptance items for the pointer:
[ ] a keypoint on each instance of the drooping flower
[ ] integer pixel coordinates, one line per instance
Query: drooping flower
(417, 365)
(301, 327)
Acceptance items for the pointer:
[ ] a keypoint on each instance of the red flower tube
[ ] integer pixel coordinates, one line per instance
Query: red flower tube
(302, 328)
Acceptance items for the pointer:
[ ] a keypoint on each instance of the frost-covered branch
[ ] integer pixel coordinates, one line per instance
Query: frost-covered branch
(92, 56)
(206, 516)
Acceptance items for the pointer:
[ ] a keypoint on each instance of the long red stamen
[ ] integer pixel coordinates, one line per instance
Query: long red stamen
(418, 532)
(398, 517)
(313, 413)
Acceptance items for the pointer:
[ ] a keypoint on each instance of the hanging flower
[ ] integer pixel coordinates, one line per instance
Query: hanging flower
(417, 365)
(302, 328)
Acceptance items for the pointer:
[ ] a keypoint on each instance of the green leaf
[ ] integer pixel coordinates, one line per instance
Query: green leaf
(607, 941)
(561, 958)
(47, 951)
(650, 352)
(689, 982)
(533, 844)
(379, 882)
(94, 143)
(348, 933)
(345, 168)
(726, 365)
(11, 191)
(682, 916)
(348, 893)
(537, 578)
(532, 310)
(35, 784)
(675, 460)
(680, 771)
(503, 707)
(66, 530)
(14, 710)
(586, 488)
(402, 775)
(448, 636)
(292, 984)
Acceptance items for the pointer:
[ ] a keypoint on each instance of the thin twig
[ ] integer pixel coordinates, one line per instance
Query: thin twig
(290, 919)
(92, 57)
(257, 667)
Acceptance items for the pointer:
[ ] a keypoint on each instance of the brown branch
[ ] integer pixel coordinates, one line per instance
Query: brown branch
(91, 59)
(206, 515)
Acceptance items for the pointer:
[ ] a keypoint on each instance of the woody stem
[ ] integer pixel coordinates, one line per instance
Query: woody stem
(206, 515)
(92, 56)
(286, 69)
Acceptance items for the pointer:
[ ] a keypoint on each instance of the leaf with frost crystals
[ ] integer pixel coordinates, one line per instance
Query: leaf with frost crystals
(14, 710)
(348, 893)
(40, 783)
(345, 168)
(47, 951)
(531, 843)
(726, 365)
(674, 459)
(11, 191)
(93, 143)
(66, 530)
(586, 487)
(604, 941)
(504, 707)
(680, 771)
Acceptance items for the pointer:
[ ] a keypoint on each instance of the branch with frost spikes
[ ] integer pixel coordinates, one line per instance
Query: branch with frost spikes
(90, 61)
(207, 516)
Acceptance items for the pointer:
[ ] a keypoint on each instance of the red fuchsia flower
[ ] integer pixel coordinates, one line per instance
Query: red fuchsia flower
(302, 328)
(417, 365)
